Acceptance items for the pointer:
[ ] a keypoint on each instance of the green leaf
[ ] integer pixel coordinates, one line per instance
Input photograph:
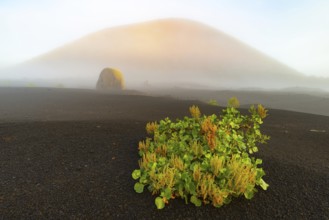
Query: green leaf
(223, 170)
(263, 184)
(249, 194)
(258, 161)
(136, 174)
(195, 133)
(244, 155)
(143, 179)
(246, 160)
(139, 187)
(195, 201)
(180, 190)
(191, 187)
(154, 165)
(185, 176)
(159, 203)
(167, 193)
(162, 161)
(227, 200)
(260, 173)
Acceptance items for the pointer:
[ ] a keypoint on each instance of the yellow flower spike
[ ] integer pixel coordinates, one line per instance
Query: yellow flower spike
(197, 173)
(177, 162)
(216, 164)
(233, 102)
(209, 129)
(195, 111)
(262, 112)
(151, 127)
(161, 150)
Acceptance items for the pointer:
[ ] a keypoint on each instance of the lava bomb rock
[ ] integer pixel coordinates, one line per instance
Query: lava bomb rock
(110, 79)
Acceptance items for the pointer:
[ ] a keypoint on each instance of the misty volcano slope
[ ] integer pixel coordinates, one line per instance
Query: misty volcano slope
(168, 52)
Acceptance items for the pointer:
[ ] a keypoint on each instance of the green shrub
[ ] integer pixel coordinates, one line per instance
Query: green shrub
(202, 158)
(213, 102)
(233, 102)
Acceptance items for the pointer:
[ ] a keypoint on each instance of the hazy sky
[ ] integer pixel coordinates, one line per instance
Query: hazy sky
(295, 32)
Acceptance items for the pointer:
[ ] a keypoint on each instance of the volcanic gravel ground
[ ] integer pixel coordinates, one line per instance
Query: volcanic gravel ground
(81, 169)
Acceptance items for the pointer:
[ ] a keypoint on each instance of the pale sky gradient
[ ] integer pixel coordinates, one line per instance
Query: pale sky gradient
(295, 32)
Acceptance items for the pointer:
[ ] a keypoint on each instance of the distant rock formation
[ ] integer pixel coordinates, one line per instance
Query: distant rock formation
(111, 79)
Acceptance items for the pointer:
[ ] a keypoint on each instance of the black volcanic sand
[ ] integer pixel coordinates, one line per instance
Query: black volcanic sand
(69, 154)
